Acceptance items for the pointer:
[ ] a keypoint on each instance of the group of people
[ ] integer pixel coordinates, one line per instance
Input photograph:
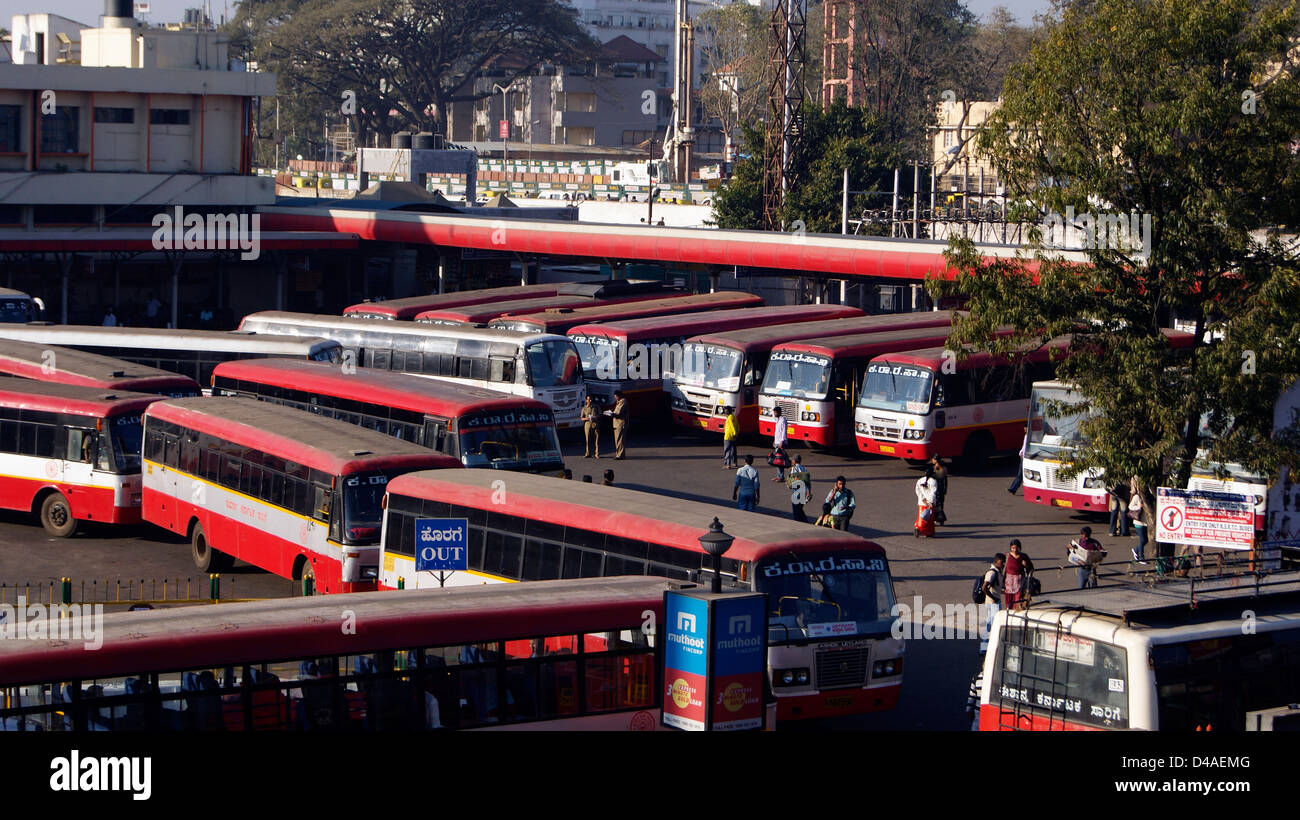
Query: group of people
(931, 490)
(837, 509)
(590, 417)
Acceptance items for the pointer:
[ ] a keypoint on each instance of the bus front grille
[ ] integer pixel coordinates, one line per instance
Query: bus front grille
(789, 409)
(838, 668)
(882, 432)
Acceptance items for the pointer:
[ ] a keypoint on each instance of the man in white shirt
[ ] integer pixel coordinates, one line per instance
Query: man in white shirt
(779, 440)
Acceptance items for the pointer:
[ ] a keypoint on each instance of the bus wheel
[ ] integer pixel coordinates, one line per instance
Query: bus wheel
(206, 558)
(308, 577)
(56, 516)
(975, 455)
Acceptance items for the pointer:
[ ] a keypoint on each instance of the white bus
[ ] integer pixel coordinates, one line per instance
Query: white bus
(19, 307)
(542, 366)
(192, 353)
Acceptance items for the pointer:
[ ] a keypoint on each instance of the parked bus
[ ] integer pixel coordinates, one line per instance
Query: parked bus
(917, 403)
(565, 655)
(190, 353)
(1176, 657)
(829, 592)
(637, 355)
(481, 315)
(537, 365)
(815, 381)
(70, 453)
(482, 428)
(63, 365)
(290, 492)
(19, 307)
(722, 371)
(563, 319)
(409, 307)
(1055, 434)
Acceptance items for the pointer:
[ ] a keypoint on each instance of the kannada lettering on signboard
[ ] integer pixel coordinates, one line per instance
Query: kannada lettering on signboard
(441, 544)
(685, 661)
(1204, 518)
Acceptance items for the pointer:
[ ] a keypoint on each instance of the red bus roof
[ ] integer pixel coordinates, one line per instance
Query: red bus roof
(933, 356)
(408, 307)
(384, 387)
(762, 338)
(559, 321)
(325, 444)
(673, 327)
(183, 638)
(629, 513)
(73, 399)
(50, 363)
(860, 345)
(482, 314)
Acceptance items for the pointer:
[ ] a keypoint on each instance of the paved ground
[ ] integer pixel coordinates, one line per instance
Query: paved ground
(981, 516)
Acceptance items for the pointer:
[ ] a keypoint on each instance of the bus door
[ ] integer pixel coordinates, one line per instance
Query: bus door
(845, 379)
(75, 470)
(437, 437)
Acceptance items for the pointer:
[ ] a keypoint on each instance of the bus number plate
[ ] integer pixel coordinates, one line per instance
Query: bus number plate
(886, 448)
(838, 702)
(1062, 502)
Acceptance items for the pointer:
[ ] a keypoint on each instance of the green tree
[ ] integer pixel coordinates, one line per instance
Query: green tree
(1186, 111)
(837, 138)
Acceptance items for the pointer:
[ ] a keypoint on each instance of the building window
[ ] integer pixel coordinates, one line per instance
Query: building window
(11, 117)
(169, 116)
(59, 130)
(120, 116)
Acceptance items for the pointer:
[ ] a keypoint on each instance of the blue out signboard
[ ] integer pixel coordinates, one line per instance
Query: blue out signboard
(715, 657)
(441, 544)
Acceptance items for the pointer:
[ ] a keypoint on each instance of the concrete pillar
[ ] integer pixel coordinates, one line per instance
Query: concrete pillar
(176, 260)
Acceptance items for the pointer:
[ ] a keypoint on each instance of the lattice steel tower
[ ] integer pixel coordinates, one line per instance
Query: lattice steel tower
(786, 95)
(839, 80)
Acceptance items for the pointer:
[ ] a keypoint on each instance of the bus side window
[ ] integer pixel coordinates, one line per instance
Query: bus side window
(322, 500)
(436, 438)
(78, 446)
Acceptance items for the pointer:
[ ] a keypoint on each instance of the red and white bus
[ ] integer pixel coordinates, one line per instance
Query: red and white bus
(411, 306)
(815, 381)
(481, 315)
(1174, 657)
(290, 492)
(482, 428)
(917, 403)
(563, 319)
(637, 355)
(829, 592)
(559, 655)
(721, 371)
(63, 365)
(70, 453)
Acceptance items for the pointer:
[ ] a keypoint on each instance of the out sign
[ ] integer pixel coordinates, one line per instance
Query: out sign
(441, 544)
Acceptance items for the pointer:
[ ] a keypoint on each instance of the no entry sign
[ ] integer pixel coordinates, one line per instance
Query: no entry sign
(1203, 518)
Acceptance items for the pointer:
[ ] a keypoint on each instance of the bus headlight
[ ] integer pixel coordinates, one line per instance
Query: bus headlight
(808, 416)
(791, 677)
(765, 411)
(915, 435)
(1095, 483)
(861, 427)
(679, 404)
(884, 669)
(1033, 475)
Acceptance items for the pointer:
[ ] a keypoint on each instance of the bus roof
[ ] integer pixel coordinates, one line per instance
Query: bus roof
(559, 321)
(73, 399)
(933, 357)
(386, 387)
(326, 444)
(856, 345)
(770, 335)
(165, 339)
(482, 314)
(190, 637)
(10, 293)
(51, 363)
(665, 327)
(351, 332)
(626, 512)
(408, 307)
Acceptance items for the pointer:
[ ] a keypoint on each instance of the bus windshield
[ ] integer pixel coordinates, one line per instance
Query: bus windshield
(797, 374)
(599, 356)
(363, 496)
(502, 444)
(553, 364)
(710, 366)
(823, 596)
(902, 387)
(127, 437)
(1054, 430)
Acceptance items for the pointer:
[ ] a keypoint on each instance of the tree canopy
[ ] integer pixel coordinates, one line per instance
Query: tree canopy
(1186, 111)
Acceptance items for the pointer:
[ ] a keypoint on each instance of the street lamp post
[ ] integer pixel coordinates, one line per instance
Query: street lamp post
(715, 542)
(505, 139)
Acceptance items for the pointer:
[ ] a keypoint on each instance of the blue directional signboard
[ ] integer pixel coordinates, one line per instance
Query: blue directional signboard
(441, 544)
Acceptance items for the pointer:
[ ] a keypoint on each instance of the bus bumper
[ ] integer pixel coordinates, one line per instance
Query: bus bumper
(1068, 500)
(837, 703)
(896, 449)
(698, 422)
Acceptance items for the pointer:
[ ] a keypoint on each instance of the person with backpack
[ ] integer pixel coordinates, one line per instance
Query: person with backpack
(840, 504)
(988, 591)
(800, 489)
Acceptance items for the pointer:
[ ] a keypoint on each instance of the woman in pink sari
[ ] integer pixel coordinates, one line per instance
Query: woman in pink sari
(1015, 576)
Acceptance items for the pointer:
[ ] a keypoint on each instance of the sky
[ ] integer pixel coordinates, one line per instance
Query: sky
(162, 11)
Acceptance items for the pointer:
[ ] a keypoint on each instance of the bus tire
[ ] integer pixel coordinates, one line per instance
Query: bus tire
(206, 557)
(976, 452)
(56, 516)
(306, 572)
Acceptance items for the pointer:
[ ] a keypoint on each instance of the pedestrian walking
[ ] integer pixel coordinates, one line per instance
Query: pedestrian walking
(800, 489)
(1117, 498)
(745, 491)
(1015, 576)
(730, 432)
(992, 588)
(840, 504)
(609, 479)
(590, 417)
(779, 459)
(1138, 514)
(926, 488)
(1020, 466)
(1085, 553)
(619, 415)
(941, 489)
